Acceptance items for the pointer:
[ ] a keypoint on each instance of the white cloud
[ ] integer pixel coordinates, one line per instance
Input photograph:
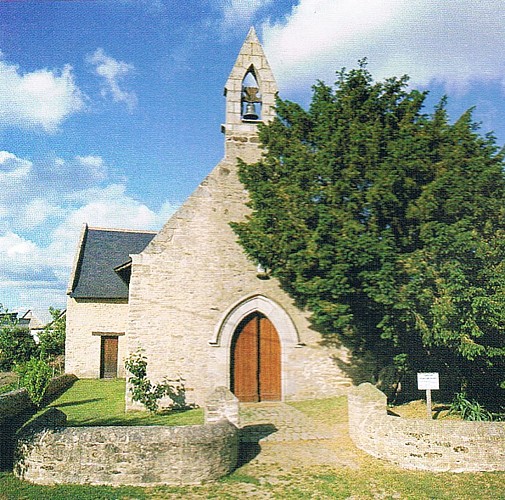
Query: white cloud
(13, 168)
(454, 43)
(240, 13)
(41, 217)
(36, 212)
(94, 164)
(113, 71)
(13, 246)
(40, 99)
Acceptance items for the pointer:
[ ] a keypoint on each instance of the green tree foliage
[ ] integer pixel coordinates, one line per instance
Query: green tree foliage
(387, 223)
(16, 343)
(52, 338)
(35, 375)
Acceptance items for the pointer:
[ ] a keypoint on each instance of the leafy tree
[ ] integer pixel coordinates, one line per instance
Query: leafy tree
(16, 343)
(387, 223)
(52, 338)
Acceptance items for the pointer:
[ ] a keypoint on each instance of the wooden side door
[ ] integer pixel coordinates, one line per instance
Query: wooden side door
(245, 361)
(269, 370)
(108, 357)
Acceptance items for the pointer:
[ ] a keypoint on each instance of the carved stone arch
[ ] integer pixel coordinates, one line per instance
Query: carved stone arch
(251, 95)
(255, 73)
(278, 317)
(285, 327)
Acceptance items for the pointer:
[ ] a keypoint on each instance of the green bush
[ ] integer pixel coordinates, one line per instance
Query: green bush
(148, 394)
(52, 338)
(469, 409)
(35, 376)
(16, 345)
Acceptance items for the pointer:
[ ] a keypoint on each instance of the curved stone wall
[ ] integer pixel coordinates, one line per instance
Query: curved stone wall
(455, 446)
(16, 408)
(48, 453)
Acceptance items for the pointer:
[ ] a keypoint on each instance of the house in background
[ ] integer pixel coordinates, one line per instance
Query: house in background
(28, 320)
(189, 297)
(34, 325)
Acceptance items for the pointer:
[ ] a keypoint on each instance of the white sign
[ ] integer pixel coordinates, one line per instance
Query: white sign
(427, 381)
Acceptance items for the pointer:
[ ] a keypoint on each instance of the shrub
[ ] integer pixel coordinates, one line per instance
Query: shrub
(35, 376)
(16, 346)
(148, 394)
(52, 338)
(469, 409)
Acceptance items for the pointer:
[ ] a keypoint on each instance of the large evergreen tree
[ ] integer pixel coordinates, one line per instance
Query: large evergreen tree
(387, 224)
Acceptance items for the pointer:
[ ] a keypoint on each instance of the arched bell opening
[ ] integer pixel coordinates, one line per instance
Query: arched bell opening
(251, 97)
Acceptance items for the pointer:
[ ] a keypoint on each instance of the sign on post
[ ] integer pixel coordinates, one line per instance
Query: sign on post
(428, 382)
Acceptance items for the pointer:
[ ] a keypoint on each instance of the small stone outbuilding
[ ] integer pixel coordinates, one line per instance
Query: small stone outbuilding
(190, 298)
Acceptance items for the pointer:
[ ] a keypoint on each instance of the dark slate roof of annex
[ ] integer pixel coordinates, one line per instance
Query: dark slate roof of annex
(100, 252)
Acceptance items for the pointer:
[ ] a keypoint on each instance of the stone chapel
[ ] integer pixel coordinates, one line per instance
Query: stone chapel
(188, 295)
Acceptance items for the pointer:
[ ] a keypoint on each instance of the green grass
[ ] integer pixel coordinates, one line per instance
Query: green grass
(102, 402)
(325, 411)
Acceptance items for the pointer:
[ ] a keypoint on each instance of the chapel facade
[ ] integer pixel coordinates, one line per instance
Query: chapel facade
(190, 298)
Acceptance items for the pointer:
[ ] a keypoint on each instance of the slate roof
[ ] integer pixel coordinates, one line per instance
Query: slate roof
(100, 252)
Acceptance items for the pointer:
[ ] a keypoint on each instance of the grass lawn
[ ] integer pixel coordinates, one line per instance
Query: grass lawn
(101, 402)
(279, 471)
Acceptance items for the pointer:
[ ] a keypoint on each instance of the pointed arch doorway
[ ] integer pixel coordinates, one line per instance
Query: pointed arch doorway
(256, 360)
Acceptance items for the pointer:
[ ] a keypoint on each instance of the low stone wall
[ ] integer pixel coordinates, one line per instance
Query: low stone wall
(455, 446)
(49, 453)
(17, 402)
(16, 408)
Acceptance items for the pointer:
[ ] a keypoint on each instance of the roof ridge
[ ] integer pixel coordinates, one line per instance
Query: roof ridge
(120, 230)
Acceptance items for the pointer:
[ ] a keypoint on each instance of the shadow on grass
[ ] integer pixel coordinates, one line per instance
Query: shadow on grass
(140, 418)
(118, 422)
(77, 403)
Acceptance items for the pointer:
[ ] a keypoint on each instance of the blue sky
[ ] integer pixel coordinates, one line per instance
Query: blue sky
(110, 110)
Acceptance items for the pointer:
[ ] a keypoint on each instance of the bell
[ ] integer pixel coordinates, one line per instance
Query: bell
(250, 112)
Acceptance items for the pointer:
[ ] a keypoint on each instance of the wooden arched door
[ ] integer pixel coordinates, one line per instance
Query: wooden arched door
(256, 360)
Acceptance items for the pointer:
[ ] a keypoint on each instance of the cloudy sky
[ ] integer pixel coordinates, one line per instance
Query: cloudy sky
(110, 110)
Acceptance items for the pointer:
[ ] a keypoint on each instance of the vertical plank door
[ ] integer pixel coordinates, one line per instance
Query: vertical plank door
(245, 361)
(108, 362)
(269, 370)
(256, 361)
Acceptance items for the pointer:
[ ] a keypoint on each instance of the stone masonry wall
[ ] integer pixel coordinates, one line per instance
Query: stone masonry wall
(192, 274)
(49, 453)
(142, 456)
(16, 407)
(85, 321)
(454, 446)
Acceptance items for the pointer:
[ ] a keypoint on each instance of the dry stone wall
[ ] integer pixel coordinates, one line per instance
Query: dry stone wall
(16, 407)
(142, 456)
(454, 446)
(47, 452)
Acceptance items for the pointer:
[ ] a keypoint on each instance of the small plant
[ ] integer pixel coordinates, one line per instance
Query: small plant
(469, 409)
(149, 394)
(35, 376)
